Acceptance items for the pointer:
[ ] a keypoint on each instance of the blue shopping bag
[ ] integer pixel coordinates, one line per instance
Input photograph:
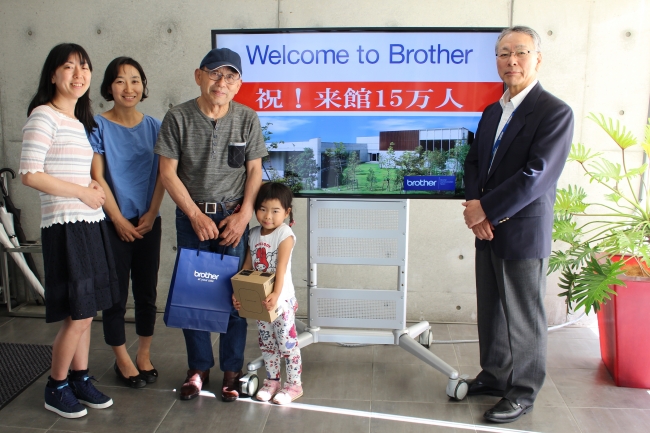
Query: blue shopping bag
(200, 294)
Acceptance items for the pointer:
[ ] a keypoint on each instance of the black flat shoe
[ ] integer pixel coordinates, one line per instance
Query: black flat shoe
(150, 376)
(131, 381)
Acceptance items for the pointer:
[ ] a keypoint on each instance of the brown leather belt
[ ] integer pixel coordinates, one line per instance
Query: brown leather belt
(213, 207)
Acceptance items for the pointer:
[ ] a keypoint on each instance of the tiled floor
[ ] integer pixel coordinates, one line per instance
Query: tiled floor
(578, 396)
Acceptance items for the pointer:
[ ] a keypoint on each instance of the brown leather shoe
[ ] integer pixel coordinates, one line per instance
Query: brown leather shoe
(193, 383)
(231, 385)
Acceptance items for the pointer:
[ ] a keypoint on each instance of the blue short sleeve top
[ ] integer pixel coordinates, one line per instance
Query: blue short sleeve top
(131, 166)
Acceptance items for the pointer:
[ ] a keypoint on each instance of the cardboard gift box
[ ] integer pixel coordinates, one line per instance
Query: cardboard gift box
(250, 289)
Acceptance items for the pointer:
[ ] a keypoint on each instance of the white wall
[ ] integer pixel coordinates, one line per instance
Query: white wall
(596, 58)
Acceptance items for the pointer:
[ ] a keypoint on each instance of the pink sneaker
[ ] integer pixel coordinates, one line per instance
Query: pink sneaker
(288, 393)
(268, 390)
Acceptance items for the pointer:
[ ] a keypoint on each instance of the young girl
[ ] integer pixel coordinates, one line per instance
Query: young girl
(80, 276)
(127, 169)
(270, 247)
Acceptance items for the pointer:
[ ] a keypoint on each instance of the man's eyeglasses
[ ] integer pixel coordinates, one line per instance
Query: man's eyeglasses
(215, 75)
(520, 54)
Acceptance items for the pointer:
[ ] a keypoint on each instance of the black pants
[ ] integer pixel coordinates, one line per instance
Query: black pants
(140, 259)
(512, 325)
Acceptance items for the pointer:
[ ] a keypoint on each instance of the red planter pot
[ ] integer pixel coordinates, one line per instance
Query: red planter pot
(624, 326)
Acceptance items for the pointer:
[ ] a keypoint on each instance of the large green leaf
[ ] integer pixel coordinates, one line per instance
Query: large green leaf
(580, 153)
(565, 230)
(633, 172)
(605, 170)
(567, 283)
(592, 285)
(570, 201)
(619, 134)
(613, 197)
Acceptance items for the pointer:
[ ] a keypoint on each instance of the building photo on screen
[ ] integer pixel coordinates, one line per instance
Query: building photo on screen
(367, 112)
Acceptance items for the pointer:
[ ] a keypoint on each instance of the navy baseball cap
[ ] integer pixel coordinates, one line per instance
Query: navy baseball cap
(219, 57)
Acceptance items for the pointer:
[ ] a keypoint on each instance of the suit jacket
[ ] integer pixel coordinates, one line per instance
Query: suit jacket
(518, 192)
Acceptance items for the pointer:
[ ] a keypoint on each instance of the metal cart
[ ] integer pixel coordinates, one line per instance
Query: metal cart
(361, 232)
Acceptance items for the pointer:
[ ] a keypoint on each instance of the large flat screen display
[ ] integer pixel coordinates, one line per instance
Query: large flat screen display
(367, 112)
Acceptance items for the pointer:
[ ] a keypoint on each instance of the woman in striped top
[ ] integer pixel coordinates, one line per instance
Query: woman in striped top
(80, 276)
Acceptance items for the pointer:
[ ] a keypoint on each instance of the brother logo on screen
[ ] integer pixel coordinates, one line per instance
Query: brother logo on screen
(421, 182)
(429, 183)
(205, 275)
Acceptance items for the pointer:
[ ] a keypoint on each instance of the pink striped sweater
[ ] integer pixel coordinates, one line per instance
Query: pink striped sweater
(57, 145)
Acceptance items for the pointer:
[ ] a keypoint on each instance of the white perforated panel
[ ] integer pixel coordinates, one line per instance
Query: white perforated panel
(358, 219)
(362, 309)
(367, 248)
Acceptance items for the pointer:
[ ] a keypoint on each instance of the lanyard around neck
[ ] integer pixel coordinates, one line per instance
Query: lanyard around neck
(498, 140)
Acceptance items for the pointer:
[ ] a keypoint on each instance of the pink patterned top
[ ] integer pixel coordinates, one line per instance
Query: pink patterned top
(57, 145)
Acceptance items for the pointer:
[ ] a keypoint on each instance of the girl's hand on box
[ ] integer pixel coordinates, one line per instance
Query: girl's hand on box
(236, 303)
(271, 301)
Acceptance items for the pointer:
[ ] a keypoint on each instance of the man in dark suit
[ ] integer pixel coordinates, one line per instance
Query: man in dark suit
(511, 173)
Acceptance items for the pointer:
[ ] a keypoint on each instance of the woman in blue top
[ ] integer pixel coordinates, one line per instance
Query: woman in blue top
(126, 167)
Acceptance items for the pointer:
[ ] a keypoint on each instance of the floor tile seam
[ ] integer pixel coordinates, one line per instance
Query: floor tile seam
(457, 355)
(53, 424)
(577, 338)
(143, 389)
(573, 368)
(607, 407)
(573, 417)
(165, 415)
(448, 403)
(337, 399)
(266, 419)
(371, 416)
(64, 431)
(373, 371)
(569, 337)
(8, 321)
(564, 400)
(21, 427)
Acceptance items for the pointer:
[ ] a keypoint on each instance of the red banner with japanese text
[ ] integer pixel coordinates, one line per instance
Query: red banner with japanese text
(369, 96)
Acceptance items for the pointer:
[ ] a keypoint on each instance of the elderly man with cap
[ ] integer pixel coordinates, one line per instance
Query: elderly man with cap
(211, 151)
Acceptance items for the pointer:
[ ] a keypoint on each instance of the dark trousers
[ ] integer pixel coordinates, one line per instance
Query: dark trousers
(138, 260)
(512, 327)
(198, 343)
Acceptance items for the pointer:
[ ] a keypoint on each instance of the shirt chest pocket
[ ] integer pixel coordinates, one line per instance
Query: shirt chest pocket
(236, 154)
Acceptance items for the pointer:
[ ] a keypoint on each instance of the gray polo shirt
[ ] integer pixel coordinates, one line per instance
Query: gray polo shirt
(208, 165)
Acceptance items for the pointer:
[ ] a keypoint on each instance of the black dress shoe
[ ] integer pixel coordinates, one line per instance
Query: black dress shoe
(506, 411)
(131, 381)
(479, 388)
(150, 376)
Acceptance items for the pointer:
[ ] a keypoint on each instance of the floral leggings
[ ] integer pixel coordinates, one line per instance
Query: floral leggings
(279, 339)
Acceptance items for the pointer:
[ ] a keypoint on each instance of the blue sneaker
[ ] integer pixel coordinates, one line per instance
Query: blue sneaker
(62, 401)
(87, 394)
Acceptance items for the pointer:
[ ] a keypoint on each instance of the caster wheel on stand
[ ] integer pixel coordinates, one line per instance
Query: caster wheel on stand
(457, 389)
(426, 338)
(249, 384)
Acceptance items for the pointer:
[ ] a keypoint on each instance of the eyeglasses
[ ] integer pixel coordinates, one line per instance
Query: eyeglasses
(215, 75)
(520, 54)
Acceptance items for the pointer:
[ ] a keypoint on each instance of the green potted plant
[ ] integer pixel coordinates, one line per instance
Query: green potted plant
(603, 239)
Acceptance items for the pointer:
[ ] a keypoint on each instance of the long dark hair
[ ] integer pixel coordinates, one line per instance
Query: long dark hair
(279, 191)
(113, 70)
(46, 89)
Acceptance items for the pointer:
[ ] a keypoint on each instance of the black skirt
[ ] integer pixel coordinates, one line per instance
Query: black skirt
(80, 275)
